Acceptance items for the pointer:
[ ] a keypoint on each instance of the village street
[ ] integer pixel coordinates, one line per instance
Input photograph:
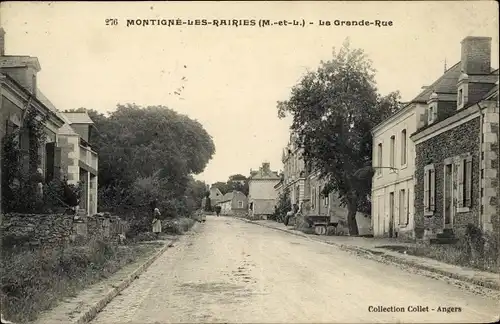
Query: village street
(227, 270)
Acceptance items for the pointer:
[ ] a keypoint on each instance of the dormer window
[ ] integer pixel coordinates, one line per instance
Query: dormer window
(463, 88)
(432, 108)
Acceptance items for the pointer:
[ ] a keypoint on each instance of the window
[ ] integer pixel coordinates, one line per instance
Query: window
(460, 97)
(429, 189)
(432, 113)
(379, 170)
(240, 204)
(403, 147)
(403, 207)
(392, 148)
(465, 183)
(326, 199)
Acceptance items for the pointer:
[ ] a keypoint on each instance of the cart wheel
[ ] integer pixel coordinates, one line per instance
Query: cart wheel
(320, 230)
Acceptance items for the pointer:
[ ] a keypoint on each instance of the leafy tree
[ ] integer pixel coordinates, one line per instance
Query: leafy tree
(235, 182)
(222, 186)
(152, 142)
(284, 205)
(334, 109)
(208, 202)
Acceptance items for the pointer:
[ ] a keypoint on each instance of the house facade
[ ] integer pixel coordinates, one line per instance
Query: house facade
(234, 203)
(295, 172)
(262, 194)
(456, 148)
(307, 187)
(65, 153)
(394, 162)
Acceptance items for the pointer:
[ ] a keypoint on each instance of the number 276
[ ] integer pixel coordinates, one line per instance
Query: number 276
(111, 22)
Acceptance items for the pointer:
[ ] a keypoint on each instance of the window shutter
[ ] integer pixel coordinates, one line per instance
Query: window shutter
(461, 184)
(432, 189)
(426, 190)
(468, 182)
(402, 201)
(407, 207)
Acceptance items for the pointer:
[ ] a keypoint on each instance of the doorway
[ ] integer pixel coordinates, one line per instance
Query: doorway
(448, 194)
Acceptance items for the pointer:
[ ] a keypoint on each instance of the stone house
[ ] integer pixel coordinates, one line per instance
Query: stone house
(306, 187)
(278, 187)
(295, 172)
(456, 148)
(66, 152)
(262, 195)
(394, 162)
(234, 203)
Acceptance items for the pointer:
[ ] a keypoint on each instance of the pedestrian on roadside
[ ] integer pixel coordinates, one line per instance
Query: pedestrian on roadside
(156, 222)
(289, 215)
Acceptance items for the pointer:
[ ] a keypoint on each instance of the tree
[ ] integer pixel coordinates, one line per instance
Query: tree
(208, 202)
(236, 182)
(334, 109)
(137, 142)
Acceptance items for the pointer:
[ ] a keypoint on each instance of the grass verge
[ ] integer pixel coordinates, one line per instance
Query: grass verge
(457, 254)
(34, 281)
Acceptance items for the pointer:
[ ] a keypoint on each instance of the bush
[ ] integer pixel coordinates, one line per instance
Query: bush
(34, 280)
(177, 226)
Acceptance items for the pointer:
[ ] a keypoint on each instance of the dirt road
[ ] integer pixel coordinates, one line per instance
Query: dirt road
(231, 271)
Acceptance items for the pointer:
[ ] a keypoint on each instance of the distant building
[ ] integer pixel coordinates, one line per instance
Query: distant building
(215, 197)
(306, 189)
(457, 148)
(234, 203)
(262, 195)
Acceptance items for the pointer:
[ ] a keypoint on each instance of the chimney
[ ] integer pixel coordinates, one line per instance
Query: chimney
(2, 42)
(265, 166)
(476, 55)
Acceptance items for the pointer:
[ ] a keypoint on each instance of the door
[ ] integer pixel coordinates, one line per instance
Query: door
(391, 214)
(448, 194)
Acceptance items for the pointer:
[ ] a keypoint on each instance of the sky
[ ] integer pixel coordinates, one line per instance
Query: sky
(232, 76)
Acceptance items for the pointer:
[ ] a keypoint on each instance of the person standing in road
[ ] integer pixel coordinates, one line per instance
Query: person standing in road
(156, 222)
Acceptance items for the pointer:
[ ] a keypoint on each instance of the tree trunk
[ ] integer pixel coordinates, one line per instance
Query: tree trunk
(352, 209)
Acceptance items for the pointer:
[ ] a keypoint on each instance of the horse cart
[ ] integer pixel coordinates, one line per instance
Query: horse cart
(320, 223)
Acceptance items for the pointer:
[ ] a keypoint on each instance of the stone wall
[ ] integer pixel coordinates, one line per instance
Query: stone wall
(58, 229)
(490, 174)
(36, 230)
(459, 140)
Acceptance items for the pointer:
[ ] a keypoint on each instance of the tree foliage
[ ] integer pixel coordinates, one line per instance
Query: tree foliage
(236, 182)
(24, 188)
(150, 153)
(334, 109)
(283, 206)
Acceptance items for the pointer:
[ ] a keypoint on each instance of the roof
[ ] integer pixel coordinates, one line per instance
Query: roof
(492, 93)
(15, 61)
(227, 197)
(446, 83)
(78, 118)
(264, 173)
(65, 129)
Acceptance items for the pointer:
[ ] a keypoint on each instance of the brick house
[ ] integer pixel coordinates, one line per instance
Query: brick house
(66, 152)
(456, 148)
